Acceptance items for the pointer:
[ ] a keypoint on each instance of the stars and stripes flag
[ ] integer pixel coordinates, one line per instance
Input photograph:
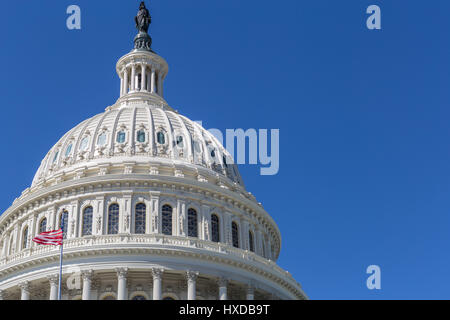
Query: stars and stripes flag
(50, 238)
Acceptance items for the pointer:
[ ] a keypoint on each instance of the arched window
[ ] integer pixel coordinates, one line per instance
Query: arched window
(167, 220)
(235, 234)
(215, 228)
(113, 219)
(25, 238)
(160, 137)
(141, 136)
(63, 222)
(251, 241)
(139, 220)
(43, 225)
(168, 298)
(139, 297)
(87, 221)
(192, 223)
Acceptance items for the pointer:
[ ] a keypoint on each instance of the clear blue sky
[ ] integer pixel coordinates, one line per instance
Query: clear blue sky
(363, 117)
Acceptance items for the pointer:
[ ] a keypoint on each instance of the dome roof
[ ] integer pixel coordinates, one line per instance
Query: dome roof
(139, 133)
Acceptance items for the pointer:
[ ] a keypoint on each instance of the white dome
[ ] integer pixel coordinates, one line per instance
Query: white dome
(141, 193)
(142, 135)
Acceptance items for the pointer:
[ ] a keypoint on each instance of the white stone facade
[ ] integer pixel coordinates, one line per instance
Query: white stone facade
(140, 202)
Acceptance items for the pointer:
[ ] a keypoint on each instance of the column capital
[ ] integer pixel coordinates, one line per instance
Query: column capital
(25, 286)
(222, 281)
(53, 278)
(157, 273)
(122, 273)
(87, 275)
(192, 275)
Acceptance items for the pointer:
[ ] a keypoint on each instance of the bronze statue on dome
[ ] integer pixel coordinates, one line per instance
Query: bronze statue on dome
(143, 18)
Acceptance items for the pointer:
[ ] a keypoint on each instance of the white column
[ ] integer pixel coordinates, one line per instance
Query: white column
(245, 240)
(181, 221)
(122, 293)
(1, 295)
(87, 280)
(160, 83)
(223, 294)
(152, 80)
(259, 243)
(133, 78)
(155, 213)
(53, 286)
(125, 216)
(125, 85)
(121, 85)
(250, 292)
(157, 283)
(192, 284)
(24, 290)
(206, 223)
(143, 78)
(269, 249)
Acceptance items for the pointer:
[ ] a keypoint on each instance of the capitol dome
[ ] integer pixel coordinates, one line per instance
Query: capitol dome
(151, 204)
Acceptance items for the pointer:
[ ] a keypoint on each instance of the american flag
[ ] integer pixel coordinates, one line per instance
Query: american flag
(50, 238)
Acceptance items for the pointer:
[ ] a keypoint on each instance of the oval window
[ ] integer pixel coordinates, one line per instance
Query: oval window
(84, 143)
(68, 150)
(121, 137)
(180, 141)
(101, 141)
(213, 153)
(141, 136)
(160, 137)
(56, 156)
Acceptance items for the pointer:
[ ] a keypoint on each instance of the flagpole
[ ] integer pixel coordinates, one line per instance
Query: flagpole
(61, 256)
(60, 271)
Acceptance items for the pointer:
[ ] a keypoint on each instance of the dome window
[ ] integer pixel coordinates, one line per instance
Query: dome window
(84, 144)
(160, 137)
(235, 234)
(113, 219)
(180, 142)
(225, 161)
(167, 220)
(213, 153)
(121, 137)
(87, 221)
(192, 223)
(141, 136)
(251, 241)
(101, 141)
(56, 156)
(139, 221)
(68, 150)
(215, 228)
